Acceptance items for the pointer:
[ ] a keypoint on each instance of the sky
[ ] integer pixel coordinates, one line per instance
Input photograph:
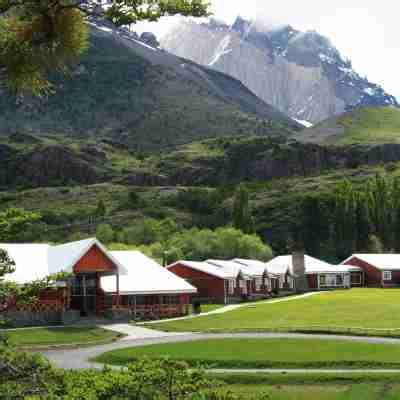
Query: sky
(365, 31)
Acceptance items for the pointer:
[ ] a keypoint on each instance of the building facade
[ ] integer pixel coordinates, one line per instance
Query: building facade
(379, 270)
(100, 282)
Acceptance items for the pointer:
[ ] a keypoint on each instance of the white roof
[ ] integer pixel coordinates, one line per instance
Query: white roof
(254, 267)
(382, 262)
(283, 264)
(230, 267)
(138, 273)
(31, 262)
(144, 276)
(208, 268)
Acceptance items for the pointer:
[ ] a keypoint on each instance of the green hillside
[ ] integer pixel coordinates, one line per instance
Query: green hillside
(370, 125)
(143, 98)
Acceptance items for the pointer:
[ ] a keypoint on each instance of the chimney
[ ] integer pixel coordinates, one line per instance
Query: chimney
(299, 272)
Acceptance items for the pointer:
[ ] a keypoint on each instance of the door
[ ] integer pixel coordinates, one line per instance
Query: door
(83, 293)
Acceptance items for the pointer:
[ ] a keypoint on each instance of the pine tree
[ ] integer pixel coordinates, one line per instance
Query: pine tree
(242, 216)
(101, 209)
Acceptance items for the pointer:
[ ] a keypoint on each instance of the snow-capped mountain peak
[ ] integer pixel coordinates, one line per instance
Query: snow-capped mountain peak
(300, 73)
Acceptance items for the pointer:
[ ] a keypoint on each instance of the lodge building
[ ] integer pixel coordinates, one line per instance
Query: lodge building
(101, 281)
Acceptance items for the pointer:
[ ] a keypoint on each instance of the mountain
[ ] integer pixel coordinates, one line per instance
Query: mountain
(128, 92)
(300, 73)
(367, 125)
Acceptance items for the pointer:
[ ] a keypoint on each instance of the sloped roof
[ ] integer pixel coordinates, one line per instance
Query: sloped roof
(230, 267)
(210, 269)
(283, 264)
(382, 262)
(254, 267)
(31, 262)
(144, 276)
(138, 273)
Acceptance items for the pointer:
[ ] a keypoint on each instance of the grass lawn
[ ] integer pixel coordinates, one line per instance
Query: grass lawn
(321, 392)
(337, 311)
(315, 386)
(266, 353)
(205, 308)
(59, 336)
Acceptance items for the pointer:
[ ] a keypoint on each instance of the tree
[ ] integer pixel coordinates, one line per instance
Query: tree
(19, 225)
(105, 233)
(7, 264)
(100, 209)
(40, 37)
(242, 217)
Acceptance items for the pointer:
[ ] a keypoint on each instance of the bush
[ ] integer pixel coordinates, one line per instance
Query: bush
(24, 376)
(105, 233)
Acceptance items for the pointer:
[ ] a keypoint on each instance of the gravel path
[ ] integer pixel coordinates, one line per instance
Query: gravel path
(80, 358)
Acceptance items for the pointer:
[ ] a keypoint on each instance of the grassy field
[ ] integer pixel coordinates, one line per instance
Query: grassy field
(205, 308)
(323, 392)
(315, 386)
(59, 336)
(266, 353)
(368, 125)
(356, 308)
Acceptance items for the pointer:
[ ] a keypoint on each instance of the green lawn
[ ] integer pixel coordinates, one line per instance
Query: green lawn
(337, 311)
(371, 125)
(322, 392)
(59, 336)
(315, 386)
(205, 308)
(266, 353)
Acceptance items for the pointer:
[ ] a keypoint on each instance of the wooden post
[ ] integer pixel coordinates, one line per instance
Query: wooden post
(117, 276)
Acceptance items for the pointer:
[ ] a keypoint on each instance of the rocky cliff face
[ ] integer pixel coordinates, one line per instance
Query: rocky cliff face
(300, 73)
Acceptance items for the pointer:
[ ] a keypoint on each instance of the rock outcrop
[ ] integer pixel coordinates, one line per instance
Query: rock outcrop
(300, 73)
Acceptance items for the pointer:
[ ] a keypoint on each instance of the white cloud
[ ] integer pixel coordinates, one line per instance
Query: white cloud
(366, 31)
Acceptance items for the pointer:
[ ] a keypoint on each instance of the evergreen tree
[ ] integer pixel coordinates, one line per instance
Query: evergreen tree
(105, 233)
(100, 209)
(312, 228)
(39, 37)
(242, 216)
(363, 224)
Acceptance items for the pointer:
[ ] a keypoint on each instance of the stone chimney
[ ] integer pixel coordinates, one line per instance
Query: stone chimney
(299, 272)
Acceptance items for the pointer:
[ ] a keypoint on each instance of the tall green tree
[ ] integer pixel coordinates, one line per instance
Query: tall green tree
(242, 215)
(101, 209)
(19, 225)
(7, 266)
(40, 37)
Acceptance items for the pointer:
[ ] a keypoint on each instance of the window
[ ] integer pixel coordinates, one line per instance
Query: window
(387, 275)
(231, 286)
(268, 283)
(356, 278)
(331, 280)
(259, 283)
